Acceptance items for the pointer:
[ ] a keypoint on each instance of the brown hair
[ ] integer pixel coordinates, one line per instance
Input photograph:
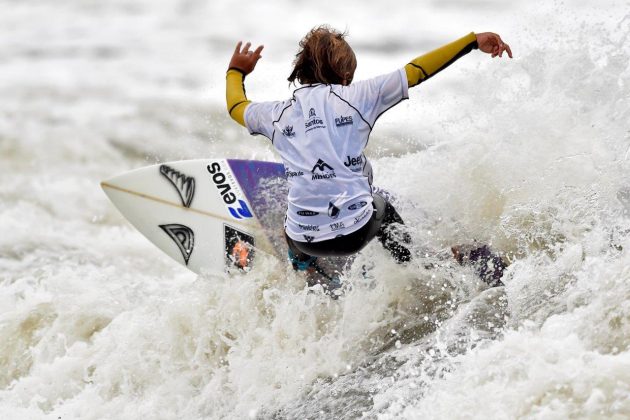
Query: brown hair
(324, 57)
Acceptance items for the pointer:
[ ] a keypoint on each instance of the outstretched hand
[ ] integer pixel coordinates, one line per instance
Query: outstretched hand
(245, 60)
(492, 43)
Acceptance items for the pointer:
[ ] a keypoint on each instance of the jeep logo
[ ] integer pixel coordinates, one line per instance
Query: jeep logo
(353, 161)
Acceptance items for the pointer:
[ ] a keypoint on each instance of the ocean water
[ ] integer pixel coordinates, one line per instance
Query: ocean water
(531, 155)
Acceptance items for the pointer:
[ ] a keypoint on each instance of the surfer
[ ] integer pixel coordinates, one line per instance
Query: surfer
(321, 133)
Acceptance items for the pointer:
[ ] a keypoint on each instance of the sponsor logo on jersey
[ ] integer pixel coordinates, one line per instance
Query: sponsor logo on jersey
(185, 185)
(341, 120)
(321, 166)
(310, 228)
(362, 216)
(183, 236)
(313, 121)
(239, 248)
(322, 170)
(307, 213)
(353, 161)
(290, 174)
(288, 131)
(357, 206)
(333, 211)
(308, 239)
(336, 226)
(230, 191)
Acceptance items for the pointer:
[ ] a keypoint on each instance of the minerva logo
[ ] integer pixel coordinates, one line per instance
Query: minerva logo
(325, 171)
(341, 120)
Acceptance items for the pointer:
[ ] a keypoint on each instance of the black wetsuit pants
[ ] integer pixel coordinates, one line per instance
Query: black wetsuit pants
(382, 225)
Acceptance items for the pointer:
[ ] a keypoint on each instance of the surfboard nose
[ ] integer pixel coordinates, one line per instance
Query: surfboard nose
(197, 211)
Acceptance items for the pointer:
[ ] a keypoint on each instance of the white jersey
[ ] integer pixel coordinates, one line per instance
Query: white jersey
(321, 133)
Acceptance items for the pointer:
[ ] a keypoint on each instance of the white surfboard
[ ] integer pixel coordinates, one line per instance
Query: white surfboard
(211, 215)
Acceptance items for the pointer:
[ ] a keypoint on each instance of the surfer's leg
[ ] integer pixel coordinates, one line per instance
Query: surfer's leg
(302, 261)
(393, 238)
(298, 259)
(488, 264)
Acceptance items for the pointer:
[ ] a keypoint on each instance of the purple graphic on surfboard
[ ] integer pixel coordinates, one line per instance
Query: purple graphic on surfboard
(264, 184)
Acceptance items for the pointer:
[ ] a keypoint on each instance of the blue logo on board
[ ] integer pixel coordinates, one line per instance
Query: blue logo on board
(241, 211)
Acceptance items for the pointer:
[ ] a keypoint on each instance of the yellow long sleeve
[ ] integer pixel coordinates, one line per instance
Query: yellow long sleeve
(235, 95)
(428, 65)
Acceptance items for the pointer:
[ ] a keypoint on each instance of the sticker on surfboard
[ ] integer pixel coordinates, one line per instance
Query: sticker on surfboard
(239, 248)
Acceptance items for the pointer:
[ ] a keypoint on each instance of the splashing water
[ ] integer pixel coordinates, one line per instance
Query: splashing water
(530, 155)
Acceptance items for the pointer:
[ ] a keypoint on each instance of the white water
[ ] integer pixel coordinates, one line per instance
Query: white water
(531, 155)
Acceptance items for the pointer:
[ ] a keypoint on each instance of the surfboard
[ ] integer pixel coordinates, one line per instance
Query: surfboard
(210, 215)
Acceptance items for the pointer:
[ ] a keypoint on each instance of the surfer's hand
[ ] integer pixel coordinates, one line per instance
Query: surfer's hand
(491, 43)
(245, 60)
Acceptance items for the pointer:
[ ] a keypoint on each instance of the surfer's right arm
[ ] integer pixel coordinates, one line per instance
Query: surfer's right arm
(242, 63)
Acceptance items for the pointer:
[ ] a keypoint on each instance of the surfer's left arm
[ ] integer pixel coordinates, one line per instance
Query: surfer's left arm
(242, 63)
(428, 65)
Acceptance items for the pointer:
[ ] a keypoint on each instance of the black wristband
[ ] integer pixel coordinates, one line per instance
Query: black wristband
(238, 70)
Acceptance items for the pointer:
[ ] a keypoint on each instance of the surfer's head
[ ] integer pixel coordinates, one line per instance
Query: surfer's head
(324, 57)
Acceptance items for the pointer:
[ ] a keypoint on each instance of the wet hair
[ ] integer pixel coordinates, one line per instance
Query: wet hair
(324, 57)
